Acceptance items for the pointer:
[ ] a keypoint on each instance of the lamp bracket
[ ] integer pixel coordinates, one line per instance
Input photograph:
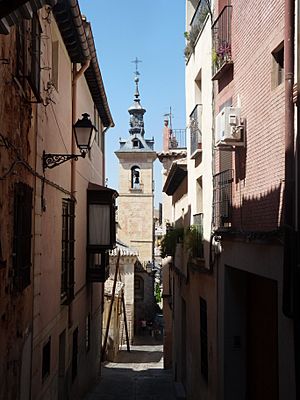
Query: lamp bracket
(53, 160)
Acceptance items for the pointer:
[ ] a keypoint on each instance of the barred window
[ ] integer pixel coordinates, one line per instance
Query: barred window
(67, 251)
(29, 54)
(22, 235)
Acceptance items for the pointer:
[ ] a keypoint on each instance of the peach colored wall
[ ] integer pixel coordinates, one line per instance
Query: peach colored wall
(50, 317)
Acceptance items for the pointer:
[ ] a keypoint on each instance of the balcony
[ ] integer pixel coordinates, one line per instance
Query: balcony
(222, 199)
(98, 267)
(177, 139)
(196, 26)
(221, 52)
(197, 249)
(196, 130)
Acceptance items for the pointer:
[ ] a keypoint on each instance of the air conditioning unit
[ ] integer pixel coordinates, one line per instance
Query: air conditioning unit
(229, 128)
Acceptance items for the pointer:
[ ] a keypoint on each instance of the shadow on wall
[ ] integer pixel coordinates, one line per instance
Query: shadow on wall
(259, 213)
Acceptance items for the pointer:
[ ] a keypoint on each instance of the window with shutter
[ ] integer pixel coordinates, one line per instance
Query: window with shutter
(28, 43)
(67, 251)
(22, 235)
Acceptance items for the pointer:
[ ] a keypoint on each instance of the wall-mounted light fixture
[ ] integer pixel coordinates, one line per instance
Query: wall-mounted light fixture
(101, 230)
(84, 132)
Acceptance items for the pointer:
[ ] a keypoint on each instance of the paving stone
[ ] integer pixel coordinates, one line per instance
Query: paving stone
(136, 375)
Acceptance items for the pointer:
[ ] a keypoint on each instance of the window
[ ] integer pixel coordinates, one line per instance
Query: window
(278, 66)
(67, 251)
(75, 354)
(22, 235)
(135, 177)
(46, 360)
(21, 49)
(55, 63)
(135, 143)
(35, 64)
(198, 88)
(138, 288)
(88, 332)
(203, 339)
(28, 53)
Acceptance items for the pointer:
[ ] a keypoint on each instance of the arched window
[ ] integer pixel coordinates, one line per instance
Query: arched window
(135, 177)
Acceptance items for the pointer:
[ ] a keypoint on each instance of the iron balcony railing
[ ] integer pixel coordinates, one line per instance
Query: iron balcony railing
(196, 26)
(177, 139)
(222, 199)
(198, 250)
(222, 39)
(198, 20)
(196, 128)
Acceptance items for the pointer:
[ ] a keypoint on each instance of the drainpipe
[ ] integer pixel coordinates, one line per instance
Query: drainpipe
(297, 191)
(289, 198)
(290, 273)
(103, 155)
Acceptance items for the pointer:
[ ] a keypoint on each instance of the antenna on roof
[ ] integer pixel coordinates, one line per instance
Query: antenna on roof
(169, 115)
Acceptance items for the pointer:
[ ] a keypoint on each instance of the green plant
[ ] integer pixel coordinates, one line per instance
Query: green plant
(214, 57)
(188, 51)
(193, 240)
(186, 35)
(157, 293)
(170, 240)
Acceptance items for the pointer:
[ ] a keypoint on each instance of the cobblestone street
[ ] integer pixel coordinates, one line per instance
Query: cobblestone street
(136, 375)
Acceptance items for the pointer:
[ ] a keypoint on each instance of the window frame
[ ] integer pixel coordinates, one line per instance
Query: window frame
(278, 66)
(67, 251)
(46, 360)
(22, 235)
(28, 46)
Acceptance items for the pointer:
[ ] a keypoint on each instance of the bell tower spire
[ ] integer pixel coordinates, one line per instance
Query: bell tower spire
(136, 111)
(136, 190)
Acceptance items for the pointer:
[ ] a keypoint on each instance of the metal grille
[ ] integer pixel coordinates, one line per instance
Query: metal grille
(198, 224)
(67, 251)
(22, 235)
(196, 128)
(222, 199)
(222, 39)
(198, 20)
(177, 139)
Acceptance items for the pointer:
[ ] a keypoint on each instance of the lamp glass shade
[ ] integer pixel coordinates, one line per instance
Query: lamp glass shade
(84, 133)
(99, 224)
(83, 137)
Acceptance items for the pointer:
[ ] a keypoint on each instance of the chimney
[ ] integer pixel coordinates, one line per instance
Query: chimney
(166, 135)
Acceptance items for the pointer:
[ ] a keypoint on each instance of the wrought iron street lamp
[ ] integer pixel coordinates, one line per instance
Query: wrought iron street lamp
(84, 132)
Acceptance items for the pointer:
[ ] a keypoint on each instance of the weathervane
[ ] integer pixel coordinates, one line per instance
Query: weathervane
(136, 62)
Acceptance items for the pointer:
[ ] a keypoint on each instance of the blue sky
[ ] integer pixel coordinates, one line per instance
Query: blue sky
(153, 32)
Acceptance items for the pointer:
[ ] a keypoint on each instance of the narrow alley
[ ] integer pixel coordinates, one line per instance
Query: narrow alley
(137, 374)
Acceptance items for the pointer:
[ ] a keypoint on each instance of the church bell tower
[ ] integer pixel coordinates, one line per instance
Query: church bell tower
(136, 188)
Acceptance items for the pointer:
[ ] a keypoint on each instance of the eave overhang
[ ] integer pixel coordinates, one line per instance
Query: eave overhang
(14, 11)
(103, 190)
(176, 175)
(78, 39)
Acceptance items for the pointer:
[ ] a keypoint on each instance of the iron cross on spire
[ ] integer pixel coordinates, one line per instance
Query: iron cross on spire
(136, 62)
